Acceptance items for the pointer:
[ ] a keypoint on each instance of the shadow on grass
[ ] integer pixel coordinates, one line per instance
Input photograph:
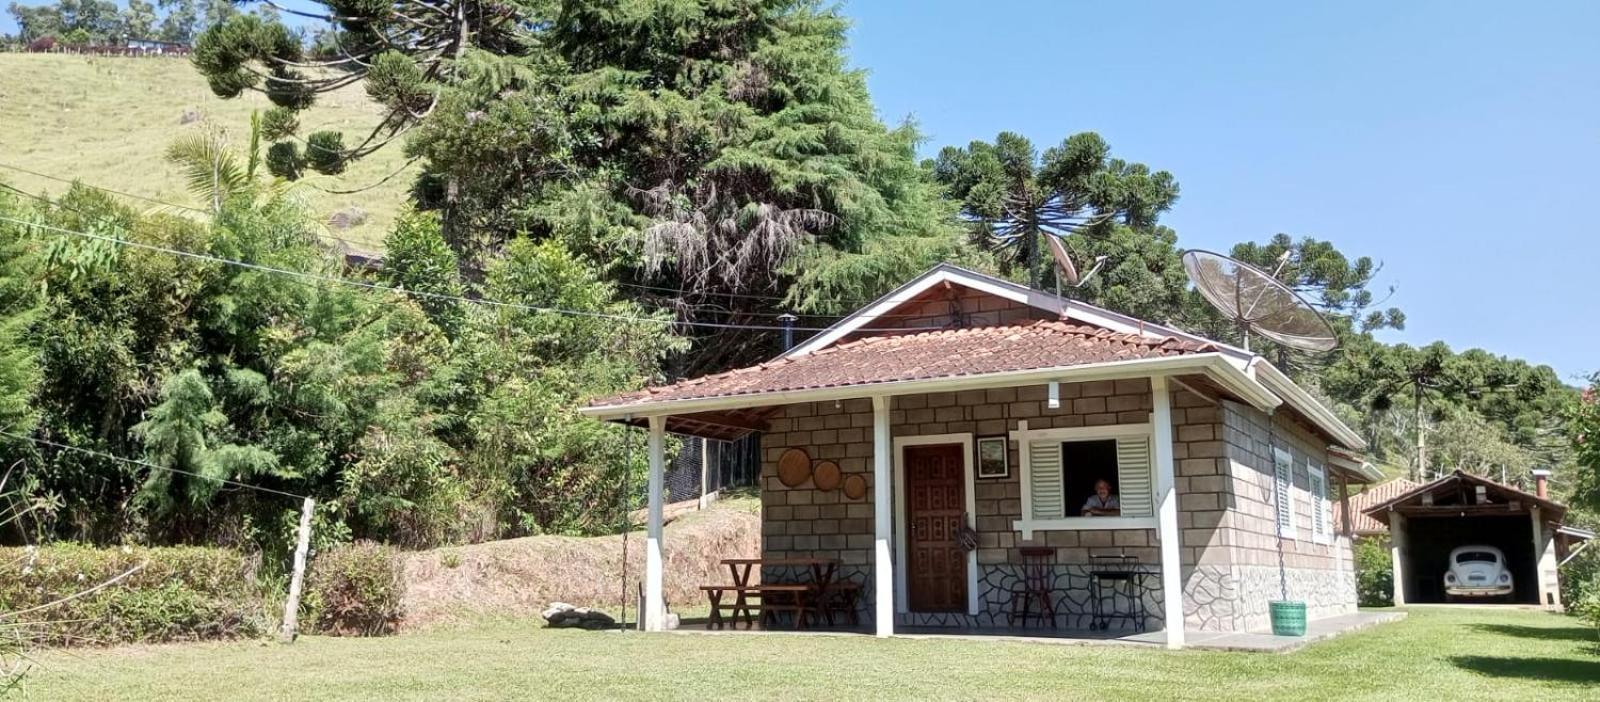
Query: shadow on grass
(1544, 633)
(1553, 669)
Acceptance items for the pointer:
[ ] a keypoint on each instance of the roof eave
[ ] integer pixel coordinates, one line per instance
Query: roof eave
(1298, 398)
(1213, 364)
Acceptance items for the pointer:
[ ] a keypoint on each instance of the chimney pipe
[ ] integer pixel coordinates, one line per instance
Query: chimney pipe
(1541, 483)
(788, 330)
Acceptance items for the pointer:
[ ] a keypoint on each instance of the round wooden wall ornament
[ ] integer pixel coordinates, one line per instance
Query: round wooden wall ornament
(794, 467)
(855, 486)
(825, 474)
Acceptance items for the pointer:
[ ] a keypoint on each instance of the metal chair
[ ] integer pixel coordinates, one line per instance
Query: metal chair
(1036, 589)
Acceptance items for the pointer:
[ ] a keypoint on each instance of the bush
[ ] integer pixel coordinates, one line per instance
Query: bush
(1374, 572)
(1580, 585)
(356, 590)
(181, 593)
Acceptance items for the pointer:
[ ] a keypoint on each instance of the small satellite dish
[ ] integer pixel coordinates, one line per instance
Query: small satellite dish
(1069, 270)
(1256, 301)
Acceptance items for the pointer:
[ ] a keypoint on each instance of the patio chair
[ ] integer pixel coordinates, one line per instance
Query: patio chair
(1034, 597)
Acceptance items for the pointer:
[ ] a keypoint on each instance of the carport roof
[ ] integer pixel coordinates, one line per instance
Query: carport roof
(1452, 487)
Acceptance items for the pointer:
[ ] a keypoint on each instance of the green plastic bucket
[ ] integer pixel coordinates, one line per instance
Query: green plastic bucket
(1288, 618)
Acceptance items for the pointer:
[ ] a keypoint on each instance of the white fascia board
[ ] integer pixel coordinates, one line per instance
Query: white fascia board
(1213, 365)
(1280, 384)
(888, 303)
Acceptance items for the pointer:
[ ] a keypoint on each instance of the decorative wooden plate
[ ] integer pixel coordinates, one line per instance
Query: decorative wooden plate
(855, 486)
(825, 474)
(794, 467)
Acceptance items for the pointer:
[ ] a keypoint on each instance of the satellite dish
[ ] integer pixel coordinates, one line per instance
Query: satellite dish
(1256, 301)
(1069, 270)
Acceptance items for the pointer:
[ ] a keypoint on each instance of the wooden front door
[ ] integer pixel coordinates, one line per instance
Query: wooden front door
(936, 571)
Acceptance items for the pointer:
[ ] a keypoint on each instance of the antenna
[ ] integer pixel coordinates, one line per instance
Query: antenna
(1069, 270)
(1257, 302)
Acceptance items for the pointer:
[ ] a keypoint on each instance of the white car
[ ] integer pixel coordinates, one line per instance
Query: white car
(1477, 571)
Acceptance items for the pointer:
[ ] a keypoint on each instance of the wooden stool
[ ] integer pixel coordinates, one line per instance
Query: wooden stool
(1037, 588)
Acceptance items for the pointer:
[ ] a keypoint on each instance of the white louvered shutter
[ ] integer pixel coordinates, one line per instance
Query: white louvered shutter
(1044, 472)
(1283, 479)
(1319, 501)
(1136, 484)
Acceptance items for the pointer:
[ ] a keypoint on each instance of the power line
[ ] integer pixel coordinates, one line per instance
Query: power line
(304, 275)
(368, 242)
(164, 203)
(151, 466)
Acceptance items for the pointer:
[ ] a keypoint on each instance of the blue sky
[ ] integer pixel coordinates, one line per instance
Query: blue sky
(1453, 141)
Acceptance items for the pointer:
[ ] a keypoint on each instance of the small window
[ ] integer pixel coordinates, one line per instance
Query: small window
(1319, 502)
(1085, 466)
(1283, 472)
(1476, 557)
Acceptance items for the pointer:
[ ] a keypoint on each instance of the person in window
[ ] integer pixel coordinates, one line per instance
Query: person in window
(1102, 503)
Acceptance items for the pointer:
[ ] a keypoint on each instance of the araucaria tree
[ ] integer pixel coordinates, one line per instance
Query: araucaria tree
(694, 150)
(1013, 196)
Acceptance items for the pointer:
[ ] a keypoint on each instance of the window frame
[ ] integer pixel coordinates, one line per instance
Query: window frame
(1321, 514)
(1283, 492)
(1027, 524)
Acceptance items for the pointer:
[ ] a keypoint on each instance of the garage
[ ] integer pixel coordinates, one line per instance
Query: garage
(1427, 522)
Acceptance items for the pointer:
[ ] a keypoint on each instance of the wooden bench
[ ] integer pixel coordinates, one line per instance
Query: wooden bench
(770, 600)
(840, 598)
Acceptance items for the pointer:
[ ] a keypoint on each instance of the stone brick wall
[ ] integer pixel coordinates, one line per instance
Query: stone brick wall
(1221, 508)
(1321, 574)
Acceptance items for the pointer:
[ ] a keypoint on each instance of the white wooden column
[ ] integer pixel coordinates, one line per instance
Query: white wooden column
(654, 611)
(1167, 513)
(882, 511)
(1397, 554)
(1544, 559)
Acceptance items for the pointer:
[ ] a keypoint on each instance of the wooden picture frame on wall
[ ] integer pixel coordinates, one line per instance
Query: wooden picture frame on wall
(994, 457)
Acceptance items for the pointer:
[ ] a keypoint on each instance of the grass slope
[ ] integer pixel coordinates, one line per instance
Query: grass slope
(1434, 654)
(108, 120)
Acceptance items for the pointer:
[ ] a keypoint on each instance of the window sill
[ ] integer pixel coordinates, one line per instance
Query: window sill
(1028, 526)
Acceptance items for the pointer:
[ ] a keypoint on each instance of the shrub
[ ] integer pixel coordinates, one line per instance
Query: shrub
(1374, 573)
(356, 590)
(1580, 585)
(181, 594)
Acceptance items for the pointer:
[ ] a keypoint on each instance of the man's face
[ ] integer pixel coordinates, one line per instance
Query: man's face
(1102, 489)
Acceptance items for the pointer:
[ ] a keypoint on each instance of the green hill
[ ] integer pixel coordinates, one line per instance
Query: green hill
(108, 120)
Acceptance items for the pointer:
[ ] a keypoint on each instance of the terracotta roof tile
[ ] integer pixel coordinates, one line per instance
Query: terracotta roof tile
(922, 356)
(1372, 497)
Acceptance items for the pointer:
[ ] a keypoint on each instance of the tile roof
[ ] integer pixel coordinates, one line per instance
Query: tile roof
(947, 353)
(1369, 498)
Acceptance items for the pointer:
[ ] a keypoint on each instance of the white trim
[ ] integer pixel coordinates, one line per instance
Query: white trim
(1100, 433)
(1166, 500)
(883, 520)
(1028, 526)
(1315, 475)
(1281, 386)
(896, 298)
(654, 604)
(902, 595)
(1214, 365)
(1024, 437)
(1280, 501)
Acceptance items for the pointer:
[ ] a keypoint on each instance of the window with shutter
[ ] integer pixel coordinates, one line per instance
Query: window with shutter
(1134, 477)
(1283, 493)
(1045, 475)
(1319, 502)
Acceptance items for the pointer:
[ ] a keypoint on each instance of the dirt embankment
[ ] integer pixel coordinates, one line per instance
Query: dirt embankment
(519, 577)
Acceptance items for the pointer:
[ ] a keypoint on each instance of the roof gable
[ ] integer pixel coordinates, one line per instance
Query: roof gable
(1459, 491)
(973, 299)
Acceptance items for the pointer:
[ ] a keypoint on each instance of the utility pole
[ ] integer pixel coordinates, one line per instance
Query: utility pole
(1420, 469)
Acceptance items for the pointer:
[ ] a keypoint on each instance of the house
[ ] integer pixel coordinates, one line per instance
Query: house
(1425, 522)
(1221, 463)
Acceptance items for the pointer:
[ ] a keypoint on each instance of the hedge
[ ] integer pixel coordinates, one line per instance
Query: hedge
(356, 590)
(181, 594)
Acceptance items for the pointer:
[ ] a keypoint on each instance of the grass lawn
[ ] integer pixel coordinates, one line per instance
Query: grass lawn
(1434, 654)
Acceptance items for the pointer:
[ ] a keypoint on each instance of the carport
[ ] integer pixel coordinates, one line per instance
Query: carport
(1461, 509)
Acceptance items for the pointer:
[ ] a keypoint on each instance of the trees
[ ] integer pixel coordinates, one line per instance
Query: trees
(1583, 430)
(1014, 196)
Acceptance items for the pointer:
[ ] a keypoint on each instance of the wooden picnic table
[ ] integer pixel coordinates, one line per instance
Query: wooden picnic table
(771, 598)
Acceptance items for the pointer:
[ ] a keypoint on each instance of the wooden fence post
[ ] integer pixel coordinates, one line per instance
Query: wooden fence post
(291, 608)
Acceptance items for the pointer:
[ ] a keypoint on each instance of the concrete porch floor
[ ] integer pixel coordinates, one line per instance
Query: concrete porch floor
(1316, 630)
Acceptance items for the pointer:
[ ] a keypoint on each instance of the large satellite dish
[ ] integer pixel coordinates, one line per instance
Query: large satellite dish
(1256, 301)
